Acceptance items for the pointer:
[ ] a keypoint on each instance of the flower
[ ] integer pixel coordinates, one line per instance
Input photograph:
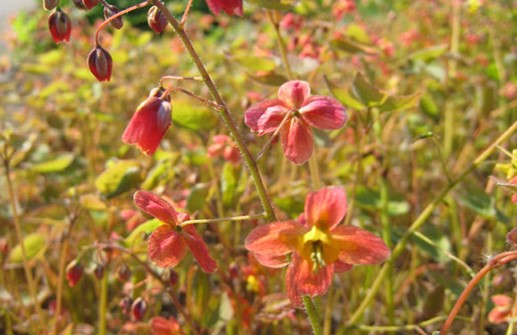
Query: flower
(319, 246)
(100, 63)
(74, 272)
(60, 26)
(148, 125)
(223, 145)
(231, 7)
(502, 311)
(293, 114)
(169, 242)
(163, 326)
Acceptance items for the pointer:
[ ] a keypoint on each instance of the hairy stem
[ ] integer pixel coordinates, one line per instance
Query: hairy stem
(312, 312)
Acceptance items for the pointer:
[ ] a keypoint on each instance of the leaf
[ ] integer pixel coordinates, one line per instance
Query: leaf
(371, 200)
(356, 32)
(54, 165)
(401, 102)
(34, 245)
(482, 204)
(429, 106)
(366, 93)
(274, 4)
(193, 117)
(118, 178)
(254, 63)
(229, 184)
(269, 78)
(92, 202)
(293, 206)
(138, 234)
(344, 96)
(197, 197)
(430, 53)
(159, 175)
(345, 44)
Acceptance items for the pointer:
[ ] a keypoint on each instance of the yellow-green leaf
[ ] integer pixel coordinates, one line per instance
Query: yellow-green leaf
(34, 245)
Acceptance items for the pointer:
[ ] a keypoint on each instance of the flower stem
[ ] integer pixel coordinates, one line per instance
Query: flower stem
(224, 113)
(281, 44)
(422, 218)
(103, 304)
(233, 218)
(312, 312)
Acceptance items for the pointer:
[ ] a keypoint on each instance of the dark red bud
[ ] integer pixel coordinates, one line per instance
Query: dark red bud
(50, 4)
(60, 26)
(125, 305)
(79, 4)
(172, 277)
(100, 63)
(511, 237)
(74, 272)
(89, 4)
(99, 271)
(138, 309)
(123, 273)
(156, 20)
(111, 10)
(157, 92)
(4, 246)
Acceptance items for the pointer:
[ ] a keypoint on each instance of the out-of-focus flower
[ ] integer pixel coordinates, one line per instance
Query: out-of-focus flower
(231, 7)
(156, 20)
(342, 7)
(148, 125)
(509, 90)
(60, 26)
(502, 311)
(74, 272)
(100, 63)
(293, 114)
(89, 4)
(223, 146)
(319, 245)
(169, 242)
(163, 326)
(409, 37)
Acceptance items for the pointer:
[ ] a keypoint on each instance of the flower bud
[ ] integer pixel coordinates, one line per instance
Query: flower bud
(89, 4)
(138, 309)
(50, 4)
(60, 26)
(99, 271)
(111, 10)
(156, 20)
(125, 305)
(74, 272)
(123, 273)
(157, 92)
(79, 4)
(100, 63)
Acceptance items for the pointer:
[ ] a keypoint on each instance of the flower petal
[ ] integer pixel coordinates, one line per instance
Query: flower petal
(166, 248)
(253, 114)
(324, 112)
(198, 248)
(342, 267)
(157, 207)
(297, 141)
(271, 119)
(272, 261)
(502, 300)
(274, 239)
(231, 7)
(302, 280)
(294, 93)
(359, 246)
(325, 208)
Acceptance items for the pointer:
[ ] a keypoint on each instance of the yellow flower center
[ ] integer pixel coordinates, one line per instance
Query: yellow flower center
(318, 247)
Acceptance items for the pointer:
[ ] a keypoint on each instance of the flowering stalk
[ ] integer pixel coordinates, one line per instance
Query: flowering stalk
(224, 113)
(422, 218)
(119, 14)
(233, 218)
(312, 312)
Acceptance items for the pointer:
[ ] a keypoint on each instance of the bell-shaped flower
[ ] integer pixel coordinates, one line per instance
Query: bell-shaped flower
(149, 124)
(60, 26)
(100, 63)
(169, 242)
(293, 114)
(318, 244)
(231, 7)
(109, 11)
(156, 20)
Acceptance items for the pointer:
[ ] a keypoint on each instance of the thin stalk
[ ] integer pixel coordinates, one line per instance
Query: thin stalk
(386, 236)
(185, 13)
(103, 304)
(422, 218)
(313, 169)
(233, 218)
(385, 329)
(224, 113)
(281, 44)
(312, 312)
(19, 236)
(119, 14)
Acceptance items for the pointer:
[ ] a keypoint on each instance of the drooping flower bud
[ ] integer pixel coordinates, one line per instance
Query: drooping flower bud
(123, 272)
(89, 4)
(99, 271)
(148, 125)
(111, 10)
(100, 63)
(74, 272)
(156, 20)
(60, 26)
(138, 309)
(125, 305)
(50, 4)
(79, 4)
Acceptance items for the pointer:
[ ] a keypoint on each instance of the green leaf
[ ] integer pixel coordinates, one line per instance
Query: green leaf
(366, 93)
(229, 184)
(344, 96)
(356, 32)
(429, 106)
(34, 245)
(347, 45)
(197, 197)
(138, 234)
(402, 102)
(54, 165)
(192, 116)
(118, 178)
(430, 53)
(293, 206)
(269, 78)
(274, 4)
(254, 63)
(159, 175)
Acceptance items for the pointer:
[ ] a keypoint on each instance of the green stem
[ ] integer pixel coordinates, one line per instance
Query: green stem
(224, 113)
(312, 312)
(313, 168)
(281, 45)
(422, 218)
(385, 329)
(103, 304)
(233, 218)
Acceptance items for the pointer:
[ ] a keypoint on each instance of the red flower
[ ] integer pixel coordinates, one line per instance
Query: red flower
(60, 26)
(223, 145)
(148, 125)
(100, 63)
(74, 272)
(502, 311)
(163, 326)
(318, 245)
(169, 242)
(231, 7)
(294, 112)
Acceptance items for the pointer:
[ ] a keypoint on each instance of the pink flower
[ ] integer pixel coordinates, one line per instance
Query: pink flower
(148, 125)
(502, 311)
(169, 242)
(319, 246)
(294, 113)
(231, 7)
(223, 145)
(163, 326)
